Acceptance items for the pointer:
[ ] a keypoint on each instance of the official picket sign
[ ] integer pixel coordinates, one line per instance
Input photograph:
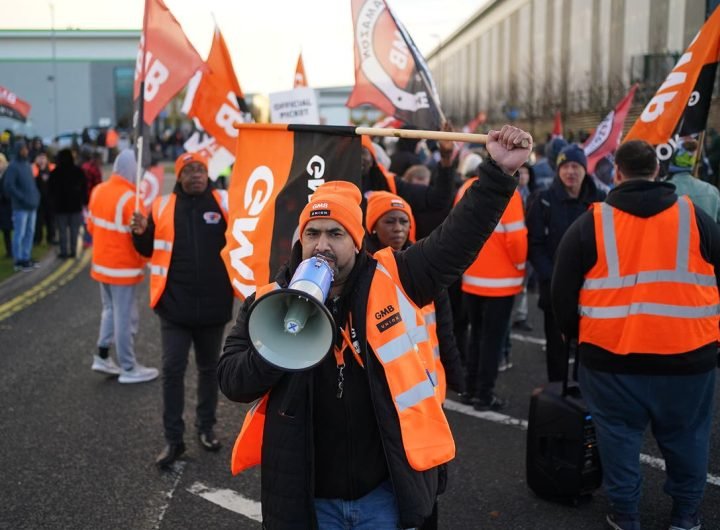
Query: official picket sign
(294, 106)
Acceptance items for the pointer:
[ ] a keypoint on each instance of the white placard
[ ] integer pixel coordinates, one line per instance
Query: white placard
(294, 106)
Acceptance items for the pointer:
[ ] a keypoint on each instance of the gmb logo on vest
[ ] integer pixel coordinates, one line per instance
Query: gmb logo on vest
(212, 218)
(390, 321)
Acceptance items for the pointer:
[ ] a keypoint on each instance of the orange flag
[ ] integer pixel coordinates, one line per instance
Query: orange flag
(300, 78)
(170, 60)
(682, 102)
(277, 168)
(214, 96)
(557, 131)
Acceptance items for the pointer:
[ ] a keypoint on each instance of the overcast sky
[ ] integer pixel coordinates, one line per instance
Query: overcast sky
(264, 36)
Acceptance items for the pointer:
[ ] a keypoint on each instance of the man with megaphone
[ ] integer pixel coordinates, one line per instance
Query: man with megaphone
(355, 439)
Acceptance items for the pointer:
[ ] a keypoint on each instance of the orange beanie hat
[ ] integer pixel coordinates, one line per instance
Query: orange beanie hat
(188, 158)
(340, 201)
(381, 202)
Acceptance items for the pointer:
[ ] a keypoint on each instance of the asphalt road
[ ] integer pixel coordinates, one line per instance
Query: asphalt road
(77, 448)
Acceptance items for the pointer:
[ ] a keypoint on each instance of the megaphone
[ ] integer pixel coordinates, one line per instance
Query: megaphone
(291, 328)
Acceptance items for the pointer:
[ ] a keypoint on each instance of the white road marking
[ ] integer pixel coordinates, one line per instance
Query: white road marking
(228, 499)
(503, 419)
(177, 470)
(527, 338)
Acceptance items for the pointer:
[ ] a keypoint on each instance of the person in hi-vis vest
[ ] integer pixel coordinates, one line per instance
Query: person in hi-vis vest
(119, 269)
(191, 293)
(636, 281)
(363, 432)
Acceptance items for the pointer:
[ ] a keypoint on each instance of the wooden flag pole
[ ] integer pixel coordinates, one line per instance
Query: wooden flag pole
(428, 135)
(140, 173)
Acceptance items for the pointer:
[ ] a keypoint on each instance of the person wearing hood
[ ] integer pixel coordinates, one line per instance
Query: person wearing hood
(191, 293)
(19, 186)
(67, 188)
(636, 282)
(550, 214)
(703, 194)
(119, 268)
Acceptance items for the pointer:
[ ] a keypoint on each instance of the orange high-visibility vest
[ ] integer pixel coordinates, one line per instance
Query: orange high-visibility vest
(499, 268)
(397, 334)
(431, 324)
(114, 258)
(247, 450)
(36, 169)
(163, 212)
(651, 290)
(401, 342)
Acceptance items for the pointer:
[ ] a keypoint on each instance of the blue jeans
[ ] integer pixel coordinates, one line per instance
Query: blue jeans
(24, 227)
(119, 321)
(679, 410)
(377, 510)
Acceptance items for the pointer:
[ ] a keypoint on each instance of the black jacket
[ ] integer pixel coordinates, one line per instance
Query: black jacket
(197, 292)
(430, 204)
(67, 185)
(577, 254)
(550, 213)
(311, 437)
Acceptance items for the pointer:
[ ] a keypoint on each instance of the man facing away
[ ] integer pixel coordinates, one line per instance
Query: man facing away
(191, 294)
(636, 281)
(357, 441)
(119, 269)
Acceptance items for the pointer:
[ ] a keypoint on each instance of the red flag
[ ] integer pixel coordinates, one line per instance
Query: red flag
(300, 77)
(476, 122)
(170, 59)
(390, 72)
(277, 168)
(151, 185)
(12, 106)
(682, 102)
(606, 137)
(557, 131)
(214, 96)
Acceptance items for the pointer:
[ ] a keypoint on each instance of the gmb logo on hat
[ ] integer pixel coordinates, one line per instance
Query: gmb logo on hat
(561, 158)
(397, 204)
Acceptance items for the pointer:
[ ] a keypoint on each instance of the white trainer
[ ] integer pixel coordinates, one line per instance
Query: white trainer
(139, 374)
(105, 366)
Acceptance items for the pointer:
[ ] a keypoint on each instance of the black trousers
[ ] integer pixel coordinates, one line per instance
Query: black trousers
(176, 342)
(489, 321)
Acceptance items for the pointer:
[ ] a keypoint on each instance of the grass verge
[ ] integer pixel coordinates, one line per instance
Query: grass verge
(38, 253)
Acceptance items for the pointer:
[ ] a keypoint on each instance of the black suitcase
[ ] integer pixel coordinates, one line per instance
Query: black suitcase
(562, 460)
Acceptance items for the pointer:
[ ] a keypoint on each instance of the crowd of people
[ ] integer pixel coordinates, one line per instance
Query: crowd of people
(453, 238)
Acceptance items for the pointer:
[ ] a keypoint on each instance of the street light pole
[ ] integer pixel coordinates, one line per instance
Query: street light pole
(54, 69)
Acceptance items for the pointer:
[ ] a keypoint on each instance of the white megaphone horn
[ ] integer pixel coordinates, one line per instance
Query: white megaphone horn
(291, 328)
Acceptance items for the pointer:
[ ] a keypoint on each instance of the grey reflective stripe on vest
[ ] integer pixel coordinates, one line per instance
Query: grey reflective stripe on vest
(413, 334)
(477, 281)
(430, 318)
(436, 352)
(163, 203)
(510, 227)
(423, 390)
(680, 274)
(117, 273)
(157, 270)
(162, 244)
(647, 308)
(117, 225)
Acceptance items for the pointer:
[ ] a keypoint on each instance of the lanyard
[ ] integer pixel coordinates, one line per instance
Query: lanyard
(347, 334)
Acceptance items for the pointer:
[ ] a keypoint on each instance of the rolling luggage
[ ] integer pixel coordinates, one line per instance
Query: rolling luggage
(562, 460)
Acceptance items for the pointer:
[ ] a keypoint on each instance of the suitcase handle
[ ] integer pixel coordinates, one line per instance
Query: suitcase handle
(571, 346)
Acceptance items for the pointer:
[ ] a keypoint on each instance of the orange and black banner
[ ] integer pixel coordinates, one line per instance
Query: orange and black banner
(277, 169)
(681, 104)
(12, 106)
(390, 72)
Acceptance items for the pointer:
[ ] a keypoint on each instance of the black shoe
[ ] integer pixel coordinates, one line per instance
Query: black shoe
(208, 441)
(466, 398)
(493, 403)
(522, 325)
(169, 454)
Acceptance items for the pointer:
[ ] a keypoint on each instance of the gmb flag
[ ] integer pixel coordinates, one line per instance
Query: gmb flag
(169, 61)
(390, 72)
(12, 106)
(277, 169)
(680, 106)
